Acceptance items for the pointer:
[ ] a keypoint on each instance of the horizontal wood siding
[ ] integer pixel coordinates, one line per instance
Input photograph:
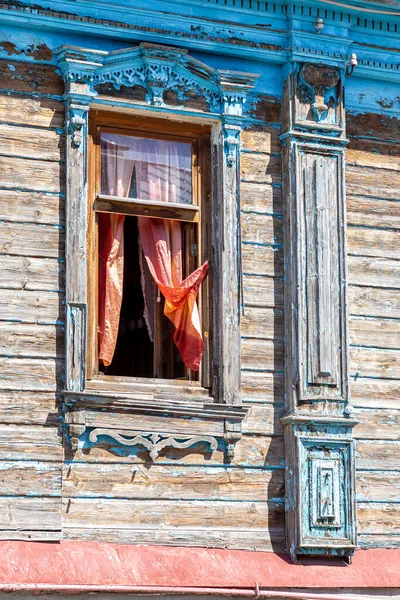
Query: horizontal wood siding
(31, 301)
(186, 497)
(373, 238)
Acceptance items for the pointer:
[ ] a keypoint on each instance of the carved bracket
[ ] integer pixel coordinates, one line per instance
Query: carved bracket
(153, 442)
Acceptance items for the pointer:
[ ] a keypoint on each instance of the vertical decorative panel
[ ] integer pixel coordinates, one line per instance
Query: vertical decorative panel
(319, 457)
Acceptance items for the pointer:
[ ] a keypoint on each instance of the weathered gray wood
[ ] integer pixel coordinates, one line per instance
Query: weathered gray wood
(32, 306)
(37, 443)
(375, 362)
(372, 182)
(29, 408)
(375, 393)
(20, 339)
(30, 373)
(379, 424)
(267, 540)
(378, 486)
(162, 481)
(262, 260)
(373, 454)
(31, 273)
(264, 292)
(33, 478)
(31, 207)
(258, 168)
(263, 323)
(375, 302)
(261, 229)
(375, 332)
(368, 158)
(373, 242)
(262, 355)
(30, 239)
(28, 142)
(31, 111)
(378, 518)
(31, 175)
(383, 213)
(371, 271)
(261, 139)
(266, 387)
(31, 514)
(135, 514)
(260, 197)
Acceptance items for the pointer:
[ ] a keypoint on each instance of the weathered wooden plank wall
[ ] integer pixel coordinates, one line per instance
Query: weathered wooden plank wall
(373, 237)
(31, 300)
(185, 497)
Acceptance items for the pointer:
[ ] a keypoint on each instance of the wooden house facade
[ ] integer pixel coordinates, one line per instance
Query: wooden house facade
(287, 438)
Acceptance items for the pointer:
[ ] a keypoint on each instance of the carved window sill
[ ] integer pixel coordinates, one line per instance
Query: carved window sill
(155, 420)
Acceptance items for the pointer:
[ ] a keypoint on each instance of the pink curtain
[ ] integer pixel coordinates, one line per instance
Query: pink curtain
(159, 171)
(116, 176)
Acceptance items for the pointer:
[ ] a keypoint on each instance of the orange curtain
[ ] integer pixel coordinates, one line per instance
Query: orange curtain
(162, 246)
(116, 173)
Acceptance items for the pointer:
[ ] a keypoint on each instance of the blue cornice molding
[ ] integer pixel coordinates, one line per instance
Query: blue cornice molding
(157, 69)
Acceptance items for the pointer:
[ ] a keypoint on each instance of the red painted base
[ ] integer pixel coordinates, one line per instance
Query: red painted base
(73, 563)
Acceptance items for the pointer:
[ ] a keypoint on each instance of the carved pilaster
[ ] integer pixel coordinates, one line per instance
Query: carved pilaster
(76, 214)
(319, 453)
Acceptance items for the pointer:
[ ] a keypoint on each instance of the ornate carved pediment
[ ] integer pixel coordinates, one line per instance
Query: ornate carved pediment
(157, 70)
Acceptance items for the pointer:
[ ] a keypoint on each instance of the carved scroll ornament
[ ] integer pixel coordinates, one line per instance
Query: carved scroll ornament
(153, 442)
(319, 79)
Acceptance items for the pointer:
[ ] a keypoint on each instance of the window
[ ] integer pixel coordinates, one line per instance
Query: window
(149, 233)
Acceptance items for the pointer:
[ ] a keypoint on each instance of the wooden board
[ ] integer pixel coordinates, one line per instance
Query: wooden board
(30, 78)
(378, 454)
(368, 158)
(31, 514)
(372, 182)
(32, 175)
(375, 302)
(166, 482)
(262, 355)
(378, 424)
(163, 514)
(261, 323)
(263, 291)
(372, 212)
(378, 518)
(374, 271)
(373, 242)
(267, 540)
(32, 306)
(36, 443)
(29, 142)
(262, 260)
(375, 362)
(31, 239)
(28, 408)
(378, 486)
(261, 168)
(30, 374)
(261, 229)
(260, 198)
(33, 478)
(261, 139)
(31, 207)
(379, 333)
(375, 393)
(31, 111)
(262, 387)
(31, 273)
(21, 339)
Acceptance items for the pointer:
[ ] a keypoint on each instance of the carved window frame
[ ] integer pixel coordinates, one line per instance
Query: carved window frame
(100, 80)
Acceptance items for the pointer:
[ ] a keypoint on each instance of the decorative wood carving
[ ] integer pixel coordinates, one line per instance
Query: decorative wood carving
(153, 442)
(319, 453)
(158, 69)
